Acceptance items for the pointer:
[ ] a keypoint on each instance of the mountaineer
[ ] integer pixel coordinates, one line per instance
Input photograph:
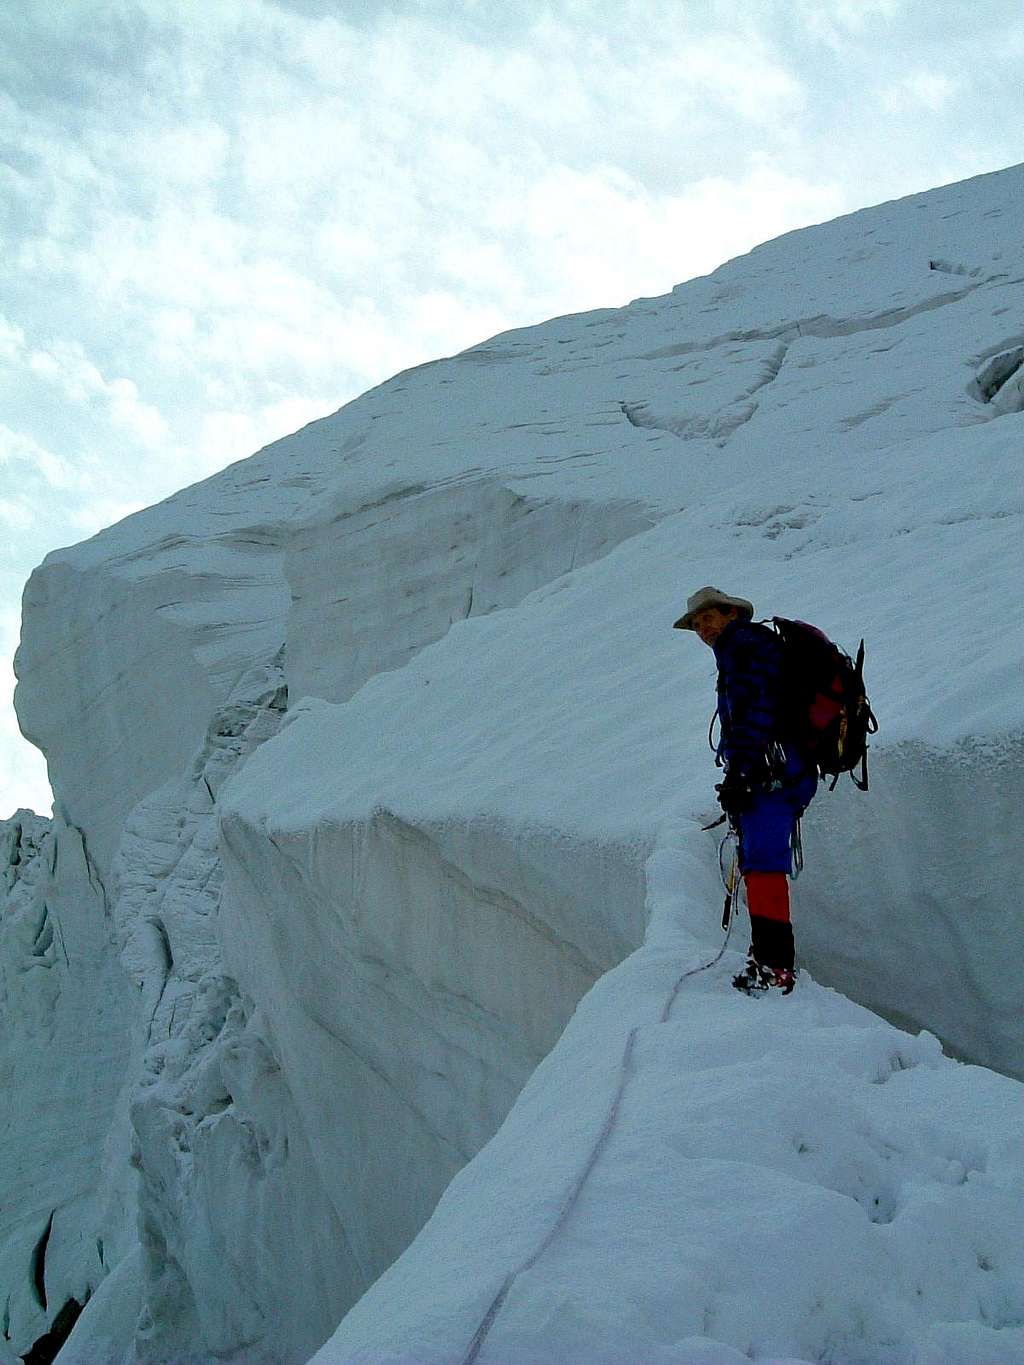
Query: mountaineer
(769, 780)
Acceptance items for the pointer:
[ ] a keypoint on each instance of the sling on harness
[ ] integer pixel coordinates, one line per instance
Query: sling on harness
(730, 877)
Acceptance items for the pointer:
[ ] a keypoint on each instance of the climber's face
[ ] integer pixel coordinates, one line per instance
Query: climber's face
(710, 622)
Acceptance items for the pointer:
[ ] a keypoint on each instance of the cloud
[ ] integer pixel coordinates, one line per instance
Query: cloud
(836, 22)
(66, 365)
(102, 511)
(15, 513)
(921, 90)
(12, 341)
(23, 779)
(221, 221)
(593, 223)
(27, 462)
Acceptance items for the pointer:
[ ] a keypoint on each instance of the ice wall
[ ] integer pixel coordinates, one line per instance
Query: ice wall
(371, 585)
(350, 940)
(909, 908)
(67, 1016)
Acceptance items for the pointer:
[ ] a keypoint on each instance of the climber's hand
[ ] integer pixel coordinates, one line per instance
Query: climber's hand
(735, 796)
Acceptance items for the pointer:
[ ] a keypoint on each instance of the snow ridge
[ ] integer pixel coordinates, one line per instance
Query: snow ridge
(829, 1192)
(576, 1189)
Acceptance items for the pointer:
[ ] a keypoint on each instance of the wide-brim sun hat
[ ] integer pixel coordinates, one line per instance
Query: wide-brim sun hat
(710, 597)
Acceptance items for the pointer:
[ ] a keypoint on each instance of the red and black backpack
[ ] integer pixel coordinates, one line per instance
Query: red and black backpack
(825, 709)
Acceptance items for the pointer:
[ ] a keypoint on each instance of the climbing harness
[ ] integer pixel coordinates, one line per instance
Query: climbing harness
(729, 865)
(715, 748)
(730, 876)
(797, 845)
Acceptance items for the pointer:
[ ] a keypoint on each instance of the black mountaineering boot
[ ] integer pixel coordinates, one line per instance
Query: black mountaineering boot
(756, 979)
(749, 979)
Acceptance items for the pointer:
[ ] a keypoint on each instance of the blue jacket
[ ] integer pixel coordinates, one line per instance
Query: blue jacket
(749, 698)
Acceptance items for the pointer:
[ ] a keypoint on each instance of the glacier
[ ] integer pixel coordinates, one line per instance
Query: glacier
(361, 1000)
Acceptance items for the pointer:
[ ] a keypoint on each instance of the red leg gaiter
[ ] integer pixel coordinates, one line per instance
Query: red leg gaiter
(771, 934)
(768, 895)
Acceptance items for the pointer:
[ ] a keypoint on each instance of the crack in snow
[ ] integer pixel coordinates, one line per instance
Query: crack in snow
(824, 325)
(1000, 381)
(821, 325)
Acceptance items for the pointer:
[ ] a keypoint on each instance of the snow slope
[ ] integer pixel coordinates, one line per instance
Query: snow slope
(355, 927)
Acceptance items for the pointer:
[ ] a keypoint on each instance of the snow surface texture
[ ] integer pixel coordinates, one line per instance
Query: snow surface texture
(692, 1177)
(353, 936)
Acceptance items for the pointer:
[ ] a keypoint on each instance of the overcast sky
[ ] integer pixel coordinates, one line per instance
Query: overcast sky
(220, 219)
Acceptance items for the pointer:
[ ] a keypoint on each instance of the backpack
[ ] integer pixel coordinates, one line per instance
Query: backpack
(826, 712)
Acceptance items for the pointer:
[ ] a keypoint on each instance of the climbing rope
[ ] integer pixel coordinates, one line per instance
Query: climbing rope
(730, 869)
(569, 1203)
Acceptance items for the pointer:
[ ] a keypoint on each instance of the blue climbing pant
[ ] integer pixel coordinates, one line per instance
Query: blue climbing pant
(766, 829)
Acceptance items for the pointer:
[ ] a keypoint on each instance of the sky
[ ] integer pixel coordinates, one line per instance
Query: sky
(219, 221)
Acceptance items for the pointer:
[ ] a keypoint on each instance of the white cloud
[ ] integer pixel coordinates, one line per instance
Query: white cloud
(836, 22)
(18, 448)
(228, 436)
(928, 90)
(66, 365)
(23, 779)
(101, 511)
(595, 222)
(225, 220)
(145, 422)
(16, 513)
(12, 340)
(739, 72)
